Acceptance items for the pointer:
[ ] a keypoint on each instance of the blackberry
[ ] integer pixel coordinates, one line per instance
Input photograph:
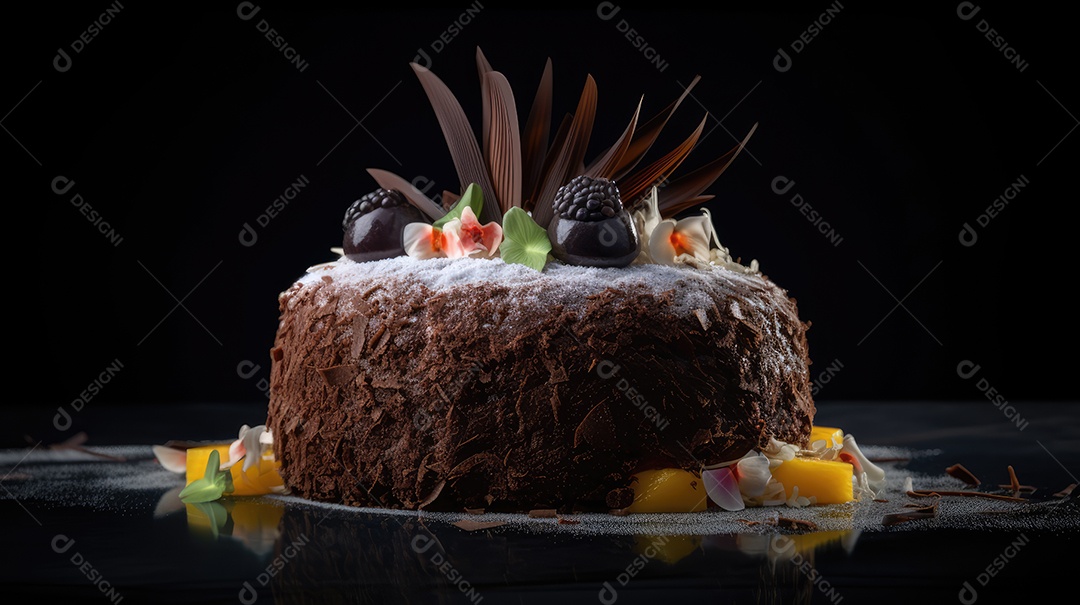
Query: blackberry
(374, 225)
(591, 227)
(380, 198)
(587, 199)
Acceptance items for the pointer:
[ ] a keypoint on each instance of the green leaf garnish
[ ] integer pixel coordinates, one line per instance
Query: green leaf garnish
(217, 516)
(524, 242)
(473, 197)
(211, 486)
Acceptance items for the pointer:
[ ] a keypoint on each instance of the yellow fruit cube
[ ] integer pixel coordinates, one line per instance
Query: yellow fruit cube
(831, 436)
(258, 480)
(668, 490)
(827, 481)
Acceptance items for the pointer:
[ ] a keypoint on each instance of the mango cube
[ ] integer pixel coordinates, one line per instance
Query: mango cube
(258, 480)
(832, 436)
(668, 490)
(827, 481)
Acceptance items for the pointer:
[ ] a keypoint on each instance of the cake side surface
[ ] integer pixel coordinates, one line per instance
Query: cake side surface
(443, 384)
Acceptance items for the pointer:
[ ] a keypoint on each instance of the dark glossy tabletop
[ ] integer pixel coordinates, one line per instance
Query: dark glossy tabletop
(107, 531)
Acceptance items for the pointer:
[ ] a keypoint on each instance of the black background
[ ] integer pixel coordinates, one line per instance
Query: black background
(180, 126)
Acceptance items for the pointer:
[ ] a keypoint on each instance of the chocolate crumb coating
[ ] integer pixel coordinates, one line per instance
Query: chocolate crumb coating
(429, 384)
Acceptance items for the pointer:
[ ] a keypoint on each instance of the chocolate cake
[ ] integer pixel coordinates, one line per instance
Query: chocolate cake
(536, 337)
(473, 383)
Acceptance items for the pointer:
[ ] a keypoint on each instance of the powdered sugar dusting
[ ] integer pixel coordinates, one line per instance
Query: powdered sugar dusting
(558, 283)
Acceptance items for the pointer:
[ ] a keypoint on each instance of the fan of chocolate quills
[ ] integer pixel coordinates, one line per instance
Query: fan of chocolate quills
(523, 165)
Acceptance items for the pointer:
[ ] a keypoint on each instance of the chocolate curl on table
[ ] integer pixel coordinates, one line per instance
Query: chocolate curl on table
(1014, 484)
(963, 474)
(75, 443)
(916, 512)
(1068, 492)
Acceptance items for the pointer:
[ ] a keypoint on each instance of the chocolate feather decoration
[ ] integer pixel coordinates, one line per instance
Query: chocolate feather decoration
(389, 180)
(686, 191)
(535, 137)
(605, 166)
(502, 144)
(637, 184)
(647, 133)
(570, 155)
(461, 140)
(482, 65)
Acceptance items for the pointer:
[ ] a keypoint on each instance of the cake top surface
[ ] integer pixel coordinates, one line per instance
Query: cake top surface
(441, 274)
(695, 285)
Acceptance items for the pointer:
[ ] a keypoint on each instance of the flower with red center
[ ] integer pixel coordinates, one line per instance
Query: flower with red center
(467, 237)
(423, 241)
(671, 239)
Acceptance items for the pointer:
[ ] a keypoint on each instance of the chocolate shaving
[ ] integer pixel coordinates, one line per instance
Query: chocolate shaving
(748, 522)
(961, 473)
(474, 511)
(542, 513)
(795, 524)
(433, 495)
(1065, 493)
(339, 375)
(702, 317)
(963, 493)
(924, 512)
(359, 327)
(880, 500)
(1014, 484)
(75, 442)
(596, 428)
(470, 525)
(565, 521)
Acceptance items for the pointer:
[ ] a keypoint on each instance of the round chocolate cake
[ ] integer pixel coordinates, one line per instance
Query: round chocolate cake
(536, 337)
(474, 383)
